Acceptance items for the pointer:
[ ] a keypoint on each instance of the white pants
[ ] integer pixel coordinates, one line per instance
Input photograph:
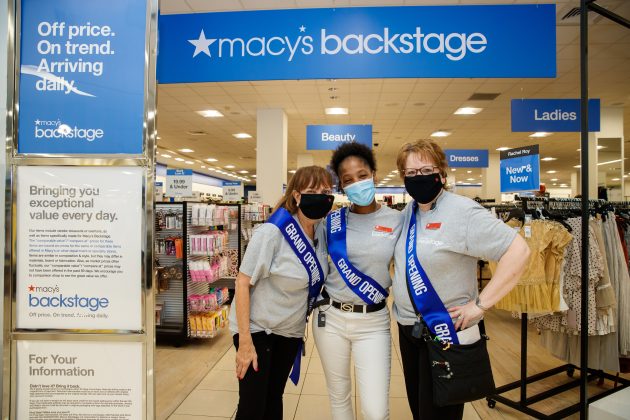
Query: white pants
(367, 337)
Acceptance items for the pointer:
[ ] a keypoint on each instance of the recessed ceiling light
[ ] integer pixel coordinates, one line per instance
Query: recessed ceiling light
(186, 150)
(292, 171)
(564, 185)
(210, 113)
(229, 166)
(203, 166)
(616, 179)
(625, 176)
(502, 149)
(578, 166)
(440, 133)
(243, 172)
(549, 159)
(179, 159)
(159, 138)
(467, 110)
(211, 169)
(253, 176)
(166, 155)
(453, 170)
(469, 172)
(211, 160)
(598, 148)
(470, 179)
(540, 134)
(552, 172)
(554, 179)
(336, 111)
(190, 162)
(242, 136)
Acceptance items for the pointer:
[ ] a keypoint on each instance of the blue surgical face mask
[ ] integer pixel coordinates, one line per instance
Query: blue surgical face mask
(361, 193)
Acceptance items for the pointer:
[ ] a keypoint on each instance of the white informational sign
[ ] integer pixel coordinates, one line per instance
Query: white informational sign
(232, 191)
(179, 183)
(79, 247)
(254, 197)
(79, 380)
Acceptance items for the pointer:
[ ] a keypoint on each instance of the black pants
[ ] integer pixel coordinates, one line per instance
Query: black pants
(415, 360)
(260, 393)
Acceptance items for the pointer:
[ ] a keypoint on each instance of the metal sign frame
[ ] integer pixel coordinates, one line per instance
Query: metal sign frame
(146, 161)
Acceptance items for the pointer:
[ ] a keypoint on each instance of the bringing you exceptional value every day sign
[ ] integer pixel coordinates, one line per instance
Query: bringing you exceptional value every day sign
(354, 42)
(82, 76)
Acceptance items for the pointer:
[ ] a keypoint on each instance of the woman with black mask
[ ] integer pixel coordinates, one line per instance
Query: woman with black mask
(280, 277)
(435, 281)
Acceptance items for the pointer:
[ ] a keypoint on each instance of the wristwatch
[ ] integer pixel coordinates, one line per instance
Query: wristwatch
(479, 305)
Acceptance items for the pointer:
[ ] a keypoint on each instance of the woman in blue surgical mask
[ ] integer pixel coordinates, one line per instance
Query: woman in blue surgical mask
(352, 317)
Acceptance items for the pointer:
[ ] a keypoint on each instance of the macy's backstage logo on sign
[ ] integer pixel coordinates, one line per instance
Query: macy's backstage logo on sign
(53, 297)
(454, 46)
(55, 129)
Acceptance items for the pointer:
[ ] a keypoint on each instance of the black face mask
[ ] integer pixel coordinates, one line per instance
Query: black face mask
(424, 188)
(316, 206)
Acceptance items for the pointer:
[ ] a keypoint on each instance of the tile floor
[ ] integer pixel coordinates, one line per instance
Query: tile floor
(216, 396)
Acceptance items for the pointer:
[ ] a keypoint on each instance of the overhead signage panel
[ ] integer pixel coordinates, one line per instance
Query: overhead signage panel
(82, 77)
(378, 42)
(520, 169)
(466, 158)
(329, 137)
(553, 115)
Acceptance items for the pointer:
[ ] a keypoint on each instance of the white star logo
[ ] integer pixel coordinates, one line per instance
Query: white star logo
(202, 44)
(302, 28)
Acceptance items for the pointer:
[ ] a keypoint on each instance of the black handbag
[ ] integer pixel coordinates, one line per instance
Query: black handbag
(461, 372)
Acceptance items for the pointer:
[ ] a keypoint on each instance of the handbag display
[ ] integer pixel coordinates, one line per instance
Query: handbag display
(461, 372)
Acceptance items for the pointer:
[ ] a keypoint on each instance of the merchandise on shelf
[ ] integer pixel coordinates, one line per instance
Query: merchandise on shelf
(208, 302)
(255, 212)
(207, 325)
(209, 215)
(168, 219)
(208, 243)
(209, 271)
(173, 246)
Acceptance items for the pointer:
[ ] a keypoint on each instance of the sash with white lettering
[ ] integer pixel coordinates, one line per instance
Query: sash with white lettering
(307, 256)
(361, 284)
(423, 296)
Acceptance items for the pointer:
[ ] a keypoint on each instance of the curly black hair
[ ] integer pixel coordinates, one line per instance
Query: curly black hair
(357, 150)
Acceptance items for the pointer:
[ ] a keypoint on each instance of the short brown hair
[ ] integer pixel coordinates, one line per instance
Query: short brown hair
(304, 178)
(427, 149)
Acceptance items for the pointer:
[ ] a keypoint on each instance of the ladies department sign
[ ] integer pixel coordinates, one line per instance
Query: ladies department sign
(82, 77)
(378, 42)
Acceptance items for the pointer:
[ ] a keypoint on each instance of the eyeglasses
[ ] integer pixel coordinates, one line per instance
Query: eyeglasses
(425, 170)
(313, 191)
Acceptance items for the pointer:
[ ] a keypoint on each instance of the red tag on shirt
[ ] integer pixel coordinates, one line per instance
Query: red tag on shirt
(385, 229)
(433, 226)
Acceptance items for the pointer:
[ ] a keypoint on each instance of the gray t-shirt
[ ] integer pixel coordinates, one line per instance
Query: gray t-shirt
(450, 240)
(370, 242)
(279, 282)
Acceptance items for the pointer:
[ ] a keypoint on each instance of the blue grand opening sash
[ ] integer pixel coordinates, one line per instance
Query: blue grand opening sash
(423, 296)
(362, 285)
(308, 257)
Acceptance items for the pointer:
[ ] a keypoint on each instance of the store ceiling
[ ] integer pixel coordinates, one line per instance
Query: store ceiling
(400, 110)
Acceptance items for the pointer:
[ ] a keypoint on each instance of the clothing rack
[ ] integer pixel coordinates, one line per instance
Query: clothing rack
(524, 402)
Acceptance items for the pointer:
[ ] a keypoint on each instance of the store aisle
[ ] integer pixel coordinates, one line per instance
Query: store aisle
(216, 396)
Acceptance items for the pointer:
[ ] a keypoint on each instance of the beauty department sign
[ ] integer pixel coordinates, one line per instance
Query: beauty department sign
(79, 248)
(353, 42)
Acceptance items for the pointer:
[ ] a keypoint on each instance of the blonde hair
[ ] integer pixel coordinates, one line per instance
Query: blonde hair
(427, 149)
(305, 177)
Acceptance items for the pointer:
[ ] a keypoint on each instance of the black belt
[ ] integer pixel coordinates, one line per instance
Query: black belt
(349, 307)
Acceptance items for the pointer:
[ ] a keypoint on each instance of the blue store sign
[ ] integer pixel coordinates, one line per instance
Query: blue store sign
(354, 42)
(82, 76)
(329, 137)
(520, 169)
(467, 158)
(553, 115)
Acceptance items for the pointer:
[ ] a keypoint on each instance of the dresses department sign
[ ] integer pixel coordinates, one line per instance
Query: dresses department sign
(355, 42)
(82, 63)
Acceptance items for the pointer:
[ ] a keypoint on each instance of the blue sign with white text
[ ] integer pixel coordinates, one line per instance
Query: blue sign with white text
(359, 42)
(553, 115)
(466, 158)
(520, 169)
(329, 137)
(179, 172)
(231, 183)
(82, 76)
